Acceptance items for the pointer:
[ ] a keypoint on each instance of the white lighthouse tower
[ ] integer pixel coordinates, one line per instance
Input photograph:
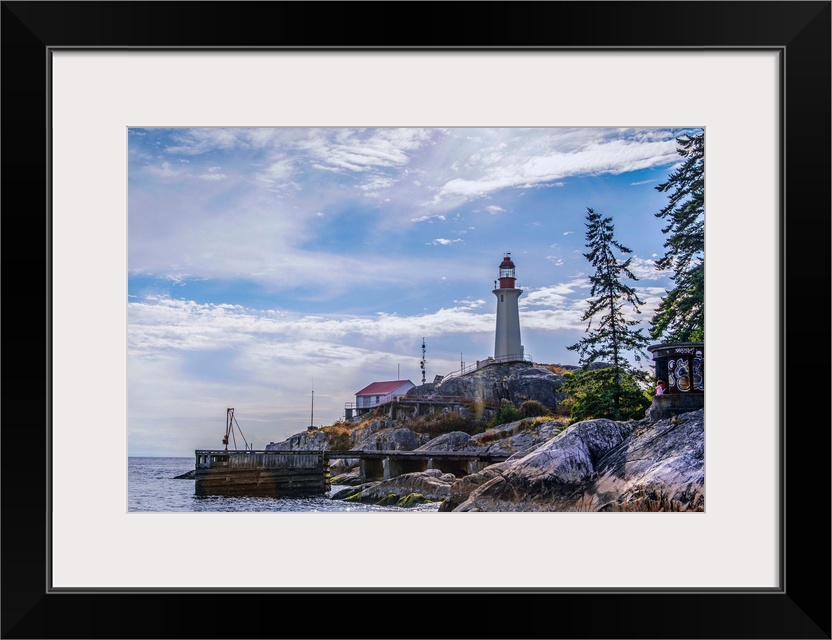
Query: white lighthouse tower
(507, 345)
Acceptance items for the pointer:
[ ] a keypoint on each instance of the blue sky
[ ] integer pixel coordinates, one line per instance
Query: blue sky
(265, 264)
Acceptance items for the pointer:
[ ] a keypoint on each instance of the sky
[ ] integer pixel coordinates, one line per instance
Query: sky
(278, 271)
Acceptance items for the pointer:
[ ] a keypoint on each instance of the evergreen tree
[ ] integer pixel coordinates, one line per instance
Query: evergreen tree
(614, 335)
(593, 394)
(680, 317)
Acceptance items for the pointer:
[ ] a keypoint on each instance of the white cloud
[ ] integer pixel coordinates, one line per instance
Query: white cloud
(358, 150)
(202, 140)
(470, 304)
(493, 209)
(165, 170)
(375, 185)
(428, 218)
(276, 174)
(540, 160)
(557, 296)
(645, 269)
(445, 241)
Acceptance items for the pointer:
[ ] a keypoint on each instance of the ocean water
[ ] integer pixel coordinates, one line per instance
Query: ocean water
(151, 487)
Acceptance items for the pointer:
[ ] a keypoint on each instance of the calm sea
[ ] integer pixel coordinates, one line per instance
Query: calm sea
(151, 487)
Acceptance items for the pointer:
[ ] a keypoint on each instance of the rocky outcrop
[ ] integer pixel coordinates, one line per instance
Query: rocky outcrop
(453, 441)
(597, 465)
(309, 440)
(462, 488)
(396, 439)
(516, 437)
(430, 486)
(515, 381)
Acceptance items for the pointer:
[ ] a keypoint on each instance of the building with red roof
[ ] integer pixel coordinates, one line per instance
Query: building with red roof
(377, 393)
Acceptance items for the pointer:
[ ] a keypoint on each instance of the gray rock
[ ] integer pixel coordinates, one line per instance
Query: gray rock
(352, 478)
(343, 494)
(454, 441)
(463, 487)
(430, 484)
(516, 381)
(398, 439)
(516, 438)
(597, 465)
(309, 440)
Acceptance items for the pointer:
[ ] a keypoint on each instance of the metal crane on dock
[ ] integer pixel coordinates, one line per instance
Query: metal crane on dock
(230, 423)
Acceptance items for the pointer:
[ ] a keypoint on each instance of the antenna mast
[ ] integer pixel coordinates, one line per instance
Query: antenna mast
(423, 361)
(312, 414)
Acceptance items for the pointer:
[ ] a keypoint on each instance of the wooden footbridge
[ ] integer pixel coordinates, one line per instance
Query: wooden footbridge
(294, 473)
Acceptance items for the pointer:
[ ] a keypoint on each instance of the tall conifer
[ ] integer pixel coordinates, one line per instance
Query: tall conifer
(680, 317)
(614, 335)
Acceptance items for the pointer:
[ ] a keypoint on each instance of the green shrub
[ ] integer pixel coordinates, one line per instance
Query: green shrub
(533, 409)
(507, 413)
(595, 394)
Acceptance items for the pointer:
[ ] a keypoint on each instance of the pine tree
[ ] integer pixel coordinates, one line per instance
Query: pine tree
(615, 335)
(680, 317)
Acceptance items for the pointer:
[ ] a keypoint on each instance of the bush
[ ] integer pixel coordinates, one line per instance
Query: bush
(339, 436)
(556, 368)
(507, 413)
(534, 408)
(594, 392)
(565, 407)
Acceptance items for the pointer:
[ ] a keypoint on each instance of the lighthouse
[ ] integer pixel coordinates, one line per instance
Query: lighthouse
(507, 345)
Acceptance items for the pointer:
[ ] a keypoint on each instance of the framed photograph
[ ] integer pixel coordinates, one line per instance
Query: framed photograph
(80, 79)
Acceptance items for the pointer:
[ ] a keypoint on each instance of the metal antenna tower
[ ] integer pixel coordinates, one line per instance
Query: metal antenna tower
(423, 361)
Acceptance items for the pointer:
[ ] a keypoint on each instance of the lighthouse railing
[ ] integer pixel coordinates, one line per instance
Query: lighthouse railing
(479, 364)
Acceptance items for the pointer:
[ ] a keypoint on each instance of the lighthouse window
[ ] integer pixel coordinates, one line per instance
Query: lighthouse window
(501, 297)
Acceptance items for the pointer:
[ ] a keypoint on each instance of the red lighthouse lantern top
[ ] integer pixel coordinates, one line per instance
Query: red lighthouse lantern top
(507, 278)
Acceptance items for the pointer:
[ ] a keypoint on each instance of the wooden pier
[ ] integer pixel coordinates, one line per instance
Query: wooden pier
(274, 474)
(279, 474)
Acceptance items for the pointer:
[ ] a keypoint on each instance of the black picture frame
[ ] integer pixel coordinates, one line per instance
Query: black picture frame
(800, 608)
